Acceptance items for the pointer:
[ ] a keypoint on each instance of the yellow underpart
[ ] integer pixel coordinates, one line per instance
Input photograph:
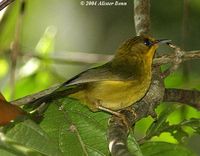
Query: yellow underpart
(114, 95)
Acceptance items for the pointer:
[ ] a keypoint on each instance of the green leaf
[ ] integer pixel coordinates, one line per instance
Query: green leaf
(193, 123)
(156, 128)
(165, 149)
(6, 153)
(133, 145)
(27, 138)
(176, 130)
(75, 129)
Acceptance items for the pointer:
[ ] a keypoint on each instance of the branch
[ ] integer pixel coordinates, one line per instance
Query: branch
(15, 49)
(5, 3)
(188, 55)
(178, 53)
(92, 58)
(188, 97)
(71, 57)
(118, 131)
(142, 16)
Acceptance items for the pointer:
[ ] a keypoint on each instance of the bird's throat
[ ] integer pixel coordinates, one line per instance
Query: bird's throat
(134, 66)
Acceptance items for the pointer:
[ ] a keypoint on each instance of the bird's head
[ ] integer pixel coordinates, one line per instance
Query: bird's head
(142, 46)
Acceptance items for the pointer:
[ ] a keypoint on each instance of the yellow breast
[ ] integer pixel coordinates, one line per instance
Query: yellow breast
(114, 95)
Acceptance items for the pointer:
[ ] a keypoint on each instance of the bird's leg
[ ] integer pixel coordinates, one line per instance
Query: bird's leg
(98, 105)
(109, 111)
(119, 115)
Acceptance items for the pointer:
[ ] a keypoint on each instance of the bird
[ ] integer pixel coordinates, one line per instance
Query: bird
(117, 84)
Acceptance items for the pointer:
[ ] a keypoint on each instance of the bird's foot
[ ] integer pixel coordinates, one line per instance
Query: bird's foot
(118, 114)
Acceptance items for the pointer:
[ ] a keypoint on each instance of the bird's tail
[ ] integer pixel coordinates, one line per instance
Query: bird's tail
(60, 92)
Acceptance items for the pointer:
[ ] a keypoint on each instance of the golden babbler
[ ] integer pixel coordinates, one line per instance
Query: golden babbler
(117, 84)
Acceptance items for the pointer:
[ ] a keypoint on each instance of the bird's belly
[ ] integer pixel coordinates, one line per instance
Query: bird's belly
(114, 95)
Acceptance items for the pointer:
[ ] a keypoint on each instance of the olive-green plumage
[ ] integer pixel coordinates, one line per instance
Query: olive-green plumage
(118, 83)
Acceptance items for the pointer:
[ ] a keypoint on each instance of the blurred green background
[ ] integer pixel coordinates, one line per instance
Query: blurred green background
(64, 29)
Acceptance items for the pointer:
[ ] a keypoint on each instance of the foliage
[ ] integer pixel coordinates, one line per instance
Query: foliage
(69, 128)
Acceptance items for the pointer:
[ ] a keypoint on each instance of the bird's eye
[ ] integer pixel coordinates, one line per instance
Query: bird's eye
(147, 42)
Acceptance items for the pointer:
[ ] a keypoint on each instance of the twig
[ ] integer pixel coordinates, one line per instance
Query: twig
(187, 55)
(15, 49)
(142, 21)
(188, 97)
(5, 3)
(71, 57)
(91, 58)
(176, 61)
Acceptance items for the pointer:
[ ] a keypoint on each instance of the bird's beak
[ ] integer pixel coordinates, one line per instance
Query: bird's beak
(162, 41)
